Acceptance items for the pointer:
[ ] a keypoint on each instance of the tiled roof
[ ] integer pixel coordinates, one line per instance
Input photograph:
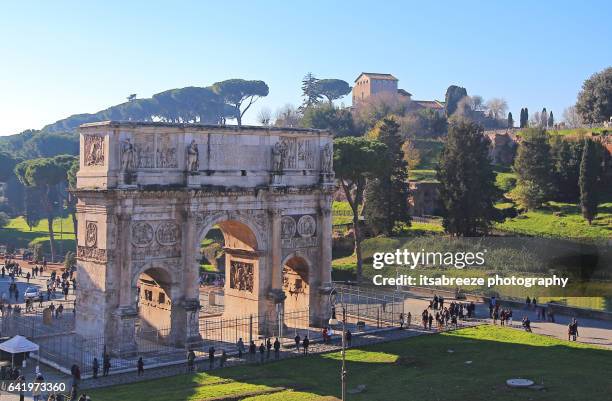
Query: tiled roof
(429, 104)
(404, 92)
(376, 75)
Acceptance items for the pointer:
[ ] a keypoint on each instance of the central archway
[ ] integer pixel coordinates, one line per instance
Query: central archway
(243, 263)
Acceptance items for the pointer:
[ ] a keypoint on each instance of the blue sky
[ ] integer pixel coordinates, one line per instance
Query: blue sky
(59, 58)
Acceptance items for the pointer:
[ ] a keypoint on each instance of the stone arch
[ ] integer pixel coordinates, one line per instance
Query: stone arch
(298, 275)
(156, 290)
(245, 258)
(208, 221)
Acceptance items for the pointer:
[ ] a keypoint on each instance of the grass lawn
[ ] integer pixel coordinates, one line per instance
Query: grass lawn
(18, 234)
(561, 220)
(422, 175)
(419, 368)
(341, 213)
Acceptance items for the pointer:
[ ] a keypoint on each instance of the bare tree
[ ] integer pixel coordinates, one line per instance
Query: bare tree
(571, 117)
(477, 103)
(497, 107)
(287, 116)
(264, 117)
(536, 120)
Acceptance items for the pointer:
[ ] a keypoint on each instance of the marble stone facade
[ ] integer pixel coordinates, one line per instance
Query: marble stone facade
(148, 194)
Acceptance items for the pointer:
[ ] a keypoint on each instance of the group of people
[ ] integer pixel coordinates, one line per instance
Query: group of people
(443, 315)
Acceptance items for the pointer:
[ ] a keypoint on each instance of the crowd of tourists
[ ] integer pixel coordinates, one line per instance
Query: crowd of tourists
(444, 316)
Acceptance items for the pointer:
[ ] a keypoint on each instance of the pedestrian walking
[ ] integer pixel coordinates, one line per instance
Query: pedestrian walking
(252, 351)
(240, 346)
(190, 361)
(305, 344)
(95, 368)
(349, 338)
(297, 342)
(106, 365)
(268, 347)
(140, 366)
(276, 348)
(211, 357)
(262, 351)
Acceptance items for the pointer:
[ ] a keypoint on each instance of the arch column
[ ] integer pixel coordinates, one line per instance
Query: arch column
(186, 303)
(123, 339)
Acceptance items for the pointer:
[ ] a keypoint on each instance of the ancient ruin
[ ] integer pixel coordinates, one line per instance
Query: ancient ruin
(148, 194)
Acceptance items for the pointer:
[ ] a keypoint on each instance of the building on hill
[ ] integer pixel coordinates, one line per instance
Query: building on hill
(503, 146)
(370, 84)
(434, 105)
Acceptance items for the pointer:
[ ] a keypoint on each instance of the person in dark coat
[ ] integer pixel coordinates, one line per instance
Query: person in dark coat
(95, 368)
(305, 344)
(276, 348)
(140, 365)
(211, 357)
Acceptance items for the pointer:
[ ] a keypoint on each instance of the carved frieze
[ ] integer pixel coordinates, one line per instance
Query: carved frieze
(306, 226)
(94, 150)
(241, 276)
(142, 234)
(156, 240)
(301, 234)
(166, 152)
(288, 227)
(91, 254)
(168, 233)
(91, 234)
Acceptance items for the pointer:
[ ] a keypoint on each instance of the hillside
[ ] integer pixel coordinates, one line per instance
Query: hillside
(190, 104)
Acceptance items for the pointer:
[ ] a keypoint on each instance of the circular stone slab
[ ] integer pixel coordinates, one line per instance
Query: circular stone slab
(520, 383)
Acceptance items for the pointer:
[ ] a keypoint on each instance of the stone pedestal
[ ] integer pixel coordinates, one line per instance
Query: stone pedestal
(185, 329)
(192, 179)
(123, 341)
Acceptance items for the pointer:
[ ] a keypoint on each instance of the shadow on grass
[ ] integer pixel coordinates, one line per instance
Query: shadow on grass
(433, 367)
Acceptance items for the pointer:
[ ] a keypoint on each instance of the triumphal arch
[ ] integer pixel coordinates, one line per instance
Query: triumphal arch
(148, 194)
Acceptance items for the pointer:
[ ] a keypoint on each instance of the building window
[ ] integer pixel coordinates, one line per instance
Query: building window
(148, 294)
(161, 298)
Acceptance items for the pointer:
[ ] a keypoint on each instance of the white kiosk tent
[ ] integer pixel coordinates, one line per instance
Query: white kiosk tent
(18, 345)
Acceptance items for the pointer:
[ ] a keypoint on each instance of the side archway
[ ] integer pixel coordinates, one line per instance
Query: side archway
(297, 275)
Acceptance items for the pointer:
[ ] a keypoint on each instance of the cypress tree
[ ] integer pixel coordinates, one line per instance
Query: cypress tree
(589, 177)
(526, 118)
(544, 118)
(387, 193)
(522, 118)
(534, 167)
(551, 120)
(510, 120)
(467, 181)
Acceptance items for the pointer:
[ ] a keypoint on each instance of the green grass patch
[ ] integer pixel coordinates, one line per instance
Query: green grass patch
(559, 219)
(17, 234)
(411, 369)
(422, 175)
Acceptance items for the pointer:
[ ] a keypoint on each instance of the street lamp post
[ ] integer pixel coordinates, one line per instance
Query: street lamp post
(332, 322)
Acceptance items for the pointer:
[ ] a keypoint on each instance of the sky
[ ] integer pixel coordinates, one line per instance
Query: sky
(59, 58)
